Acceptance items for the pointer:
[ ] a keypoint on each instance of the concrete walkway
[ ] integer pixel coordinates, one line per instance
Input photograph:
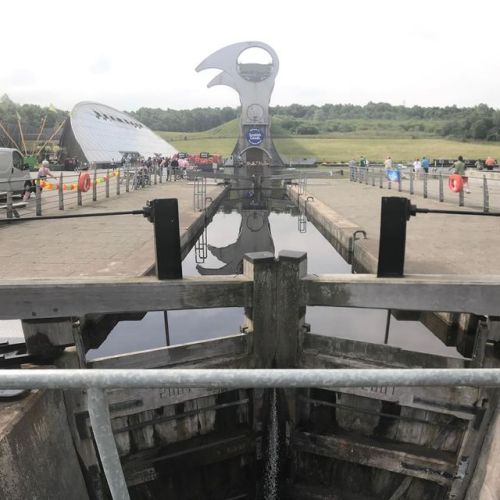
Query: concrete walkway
(101, 246)
(436, 244)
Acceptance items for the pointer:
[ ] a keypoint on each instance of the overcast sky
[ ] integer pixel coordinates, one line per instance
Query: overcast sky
(130, 54)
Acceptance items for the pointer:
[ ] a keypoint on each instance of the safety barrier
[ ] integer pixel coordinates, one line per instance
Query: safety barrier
(431, 185)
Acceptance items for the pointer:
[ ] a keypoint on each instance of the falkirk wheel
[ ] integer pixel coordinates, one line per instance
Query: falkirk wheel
(254, 83)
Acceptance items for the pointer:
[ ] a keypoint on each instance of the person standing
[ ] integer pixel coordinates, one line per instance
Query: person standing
(362, 168)
(479, 164)
(388, 163)
(174, 164)
(459, 168)
(425, 164)
(417, 167)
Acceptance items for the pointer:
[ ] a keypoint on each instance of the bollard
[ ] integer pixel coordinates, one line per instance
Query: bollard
(486, 195)
(118, 182)
(441, 190)
(107, 183)
(79, 191)
(396, 212)
(412, 191)
(38, 198)
(381, 180)
(425, 185)
(164, 214)
(60, 191)
(10, 211)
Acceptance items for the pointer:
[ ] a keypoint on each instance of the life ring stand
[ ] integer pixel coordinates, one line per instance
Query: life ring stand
(84, 183)
(455, 183)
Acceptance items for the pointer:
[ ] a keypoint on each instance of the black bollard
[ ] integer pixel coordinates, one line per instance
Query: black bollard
(396, 212)
(164, 214)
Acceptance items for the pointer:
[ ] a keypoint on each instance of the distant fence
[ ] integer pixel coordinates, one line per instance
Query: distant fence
(72, 189)
(433, 185)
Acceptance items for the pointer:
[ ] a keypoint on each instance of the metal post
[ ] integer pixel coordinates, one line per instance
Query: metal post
(10, 212)
(118, 183)
(167, 330)
(38, 198)
(412, 190)
(107, 183)
(395, 213)
(373, 178)
(94, 186)
(387, 326)
(79, 191)
(461, 198)
(164, 215)
(441, 190)
(160, 173)
(60, 190)
(425, 185)
(127, 179)
(381, 180)
(400, 182)
(486, 195)
(155, 177)
(103, 434)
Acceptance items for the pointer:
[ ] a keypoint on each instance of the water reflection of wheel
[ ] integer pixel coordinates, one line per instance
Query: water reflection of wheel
(255, 221)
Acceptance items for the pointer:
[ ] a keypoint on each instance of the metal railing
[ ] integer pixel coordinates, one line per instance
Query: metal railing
(95, 381)
(69, 189)
(431, 185)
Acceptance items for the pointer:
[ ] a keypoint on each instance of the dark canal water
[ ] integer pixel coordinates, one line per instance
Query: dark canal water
(234, 232)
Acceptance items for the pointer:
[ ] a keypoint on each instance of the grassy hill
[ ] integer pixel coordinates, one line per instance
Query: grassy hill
(369, 139)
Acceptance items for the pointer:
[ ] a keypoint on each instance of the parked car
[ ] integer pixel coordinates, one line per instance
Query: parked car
(14, 172)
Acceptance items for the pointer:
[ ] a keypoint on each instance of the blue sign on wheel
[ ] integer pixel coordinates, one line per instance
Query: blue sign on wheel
(255, 136)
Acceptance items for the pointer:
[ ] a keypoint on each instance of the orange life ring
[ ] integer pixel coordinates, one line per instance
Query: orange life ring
(84, 183)
(455, 183)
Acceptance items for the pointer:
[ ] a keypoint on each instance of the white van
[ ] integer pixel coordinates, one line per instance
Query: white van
(14, 174)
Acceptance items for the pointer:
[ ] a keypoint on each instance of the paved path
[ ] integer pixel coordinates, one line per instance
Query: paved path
(101, 246)
(436, 244)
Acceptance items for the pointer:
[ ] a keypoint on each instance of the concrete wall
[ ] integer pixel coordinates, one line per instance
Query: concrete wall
(37, 458)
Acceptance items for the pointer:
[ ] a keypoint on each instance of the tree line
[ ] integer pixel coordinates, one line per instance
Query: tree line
(480, 122)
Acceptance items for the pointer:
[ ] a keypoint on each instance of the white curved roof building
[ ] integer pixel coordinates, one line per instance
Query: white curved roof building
(97, 133)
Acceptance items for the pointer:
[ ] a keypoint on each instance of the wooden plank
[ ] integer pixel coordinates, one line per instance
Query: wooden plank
(52, 298)
(178, 354)
(411, 460)
(471, 294)
(459, 401)
(382, 355)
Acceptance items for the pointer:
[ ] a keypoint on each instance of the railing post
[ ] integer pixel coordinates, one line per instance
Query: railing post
(412, 190)
(127, 179)
(373, 178)
(160, 173)
(461, 198)
(103, 434)
(155, 175)
(400, 182)
(261, 317)
(118, 182)
(486, 195)
(60, 191)
(381, 179)
(79, 191)
(107, 183)
(441, 190)
(38, 198)
(94, 186)
(425, 185)
(10, 211)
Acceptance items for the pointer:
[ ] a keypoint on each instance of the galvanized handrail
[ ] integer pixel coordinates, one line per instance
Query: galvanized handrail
(242, 378)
